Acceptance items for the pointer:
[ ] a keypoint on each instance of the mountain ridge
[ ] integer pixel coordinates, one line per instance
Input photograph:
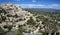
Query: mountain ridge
(43, 9)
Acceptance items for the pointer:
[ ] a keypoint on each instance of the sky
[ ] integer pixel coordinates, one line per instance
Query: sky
(55, 4)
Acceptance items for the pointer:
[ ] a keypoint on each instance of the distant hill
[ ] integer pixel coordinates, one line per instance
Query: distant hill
(43, 9)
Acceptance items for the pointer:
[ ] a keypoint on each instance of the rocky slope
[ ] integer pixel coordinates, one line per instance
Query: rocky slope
(13, 18)
(13, 15)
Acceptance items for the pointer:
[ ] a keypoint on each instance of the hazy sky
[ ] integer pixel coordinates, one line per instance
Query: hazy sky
(55, 4)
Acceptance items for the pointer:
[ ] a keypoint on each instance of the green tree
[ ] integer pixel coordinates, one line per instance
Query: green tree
(20, 30)
(9, 27)
(31, 22)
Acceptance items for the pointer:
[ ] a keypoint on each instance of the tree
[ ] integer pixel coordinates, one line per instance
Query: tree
(31, 22)
(20, 30)
(9, 27)
(2, 32)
